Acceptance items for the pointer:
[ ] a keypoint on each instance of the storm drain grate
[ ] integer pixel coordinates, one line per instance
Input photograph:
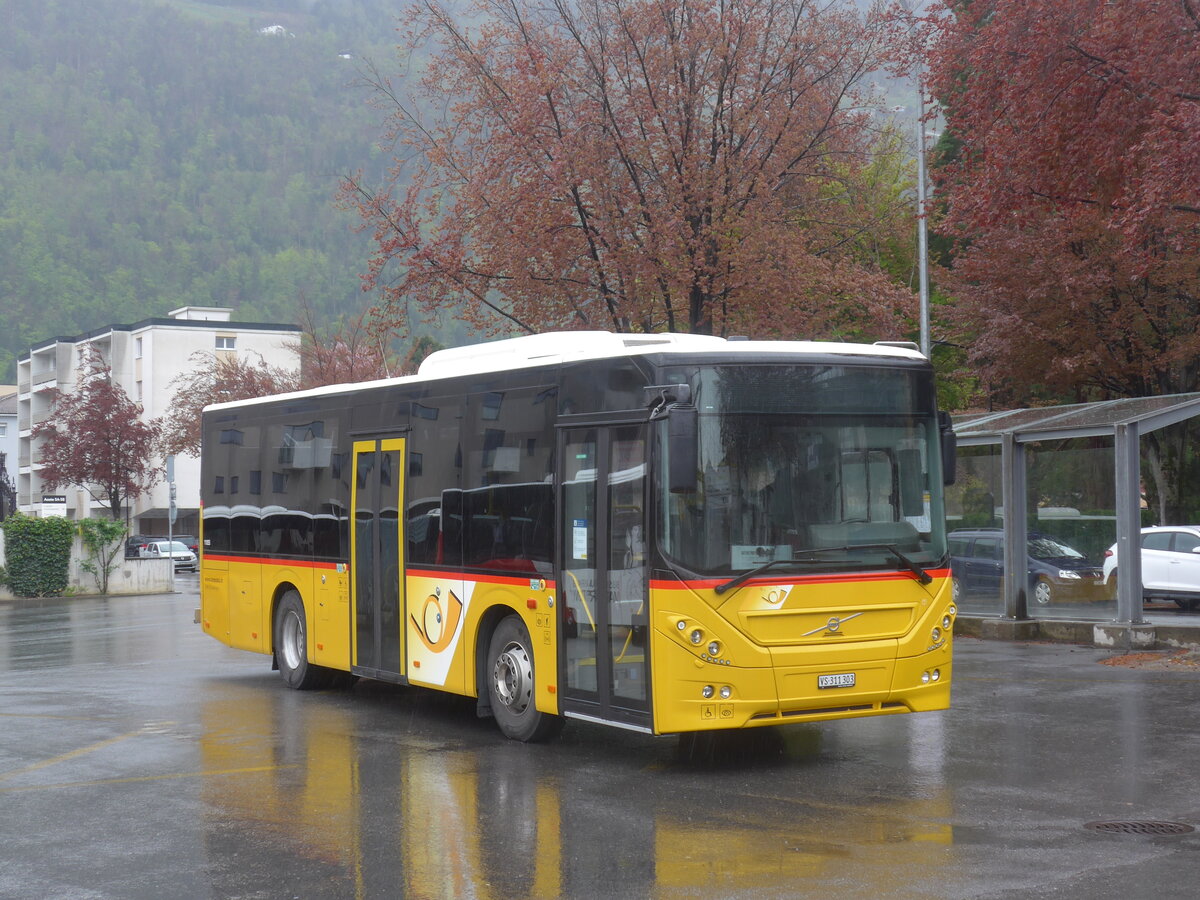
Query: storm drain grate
(1142, 827)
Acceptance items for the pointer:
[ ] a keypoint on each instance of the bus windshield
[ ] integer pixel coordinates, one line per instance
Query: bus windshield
(808, 468)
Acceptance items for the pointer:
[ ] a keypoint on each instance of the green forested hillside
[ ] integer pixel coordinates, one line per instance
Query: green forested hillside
(155, 154)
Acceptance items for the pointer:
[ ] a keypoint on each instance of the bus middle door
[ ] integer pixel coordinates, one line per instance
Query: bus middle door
(377, 559)
(603, 583)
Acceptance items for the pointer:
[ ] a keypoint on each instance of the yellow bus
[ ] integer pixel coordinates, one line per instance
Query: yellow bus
(665, 533)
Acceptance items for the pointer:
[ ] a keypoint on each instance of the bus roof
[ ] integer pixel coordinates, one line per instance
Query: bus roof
(572, 346)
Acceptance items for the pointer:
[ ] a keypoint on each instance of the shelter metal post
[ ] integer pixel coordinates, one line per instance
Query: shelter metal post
(1129, 523)
(1016, 537)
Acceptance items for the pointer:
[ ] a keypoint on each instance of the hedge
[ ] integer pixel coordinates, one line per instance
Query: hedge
(38, 554)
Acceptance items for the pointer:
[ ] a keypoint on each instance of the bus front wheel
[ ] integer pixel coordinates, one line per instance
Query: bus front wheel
(511, 685)
(291, 646)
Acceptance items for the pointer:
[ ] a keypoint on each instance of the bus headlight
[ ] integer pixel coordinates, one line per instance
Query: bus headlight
(936, 635)
(726, 692)
(947, 622)
(707, 692)
(714, 648)
(697, 636)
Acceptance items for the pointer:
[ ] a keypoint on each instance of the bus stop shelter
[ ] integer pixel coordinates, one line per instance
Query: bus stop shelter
(1124, 421)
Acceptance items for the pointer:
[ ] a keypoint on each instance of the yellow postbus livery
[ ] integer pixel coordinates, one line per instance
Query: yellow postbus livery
(666, 533)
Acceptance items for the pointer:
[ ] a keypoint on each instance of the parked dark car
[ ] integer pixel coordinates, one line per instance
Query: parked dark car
(189, 541)
(135, 543)
(1057, 572)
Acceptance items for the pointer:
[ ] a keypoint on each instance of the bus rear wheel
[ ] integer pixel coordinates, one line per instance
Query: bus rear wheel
(511, 685)
(291, 646)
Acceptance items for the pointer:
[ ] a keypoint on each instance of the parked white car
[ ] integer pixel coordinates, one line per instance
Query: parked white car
(1170, 564)
(184, 558)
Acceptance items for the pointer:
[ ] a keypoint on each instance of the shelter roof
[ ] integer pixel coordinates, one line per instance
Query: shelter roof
(1076, 419)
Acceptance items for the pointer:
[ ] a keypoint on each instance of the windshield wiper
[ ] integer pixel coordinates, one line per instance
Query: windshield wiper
(738, 580)
(909, 563)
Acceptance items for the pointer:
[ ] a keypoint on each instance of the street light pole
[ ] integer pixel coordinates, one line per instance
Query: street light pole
(922, 234)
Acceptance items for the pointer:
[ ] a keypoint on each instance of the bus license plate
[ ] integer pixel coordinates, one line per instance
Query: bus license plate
(835, 681)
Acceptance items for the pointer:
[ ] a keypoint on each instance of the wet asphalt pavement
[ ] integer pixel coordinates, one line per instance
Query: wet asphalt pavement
(141, 759)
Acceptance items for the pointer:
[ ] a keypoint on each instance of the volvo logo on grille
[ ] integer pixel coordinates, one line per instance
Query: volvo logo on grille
(833, 625)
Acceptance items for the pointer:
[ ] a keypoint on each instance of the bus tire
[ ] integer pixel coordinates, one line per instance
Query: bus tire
(511, 685)
(291, 646)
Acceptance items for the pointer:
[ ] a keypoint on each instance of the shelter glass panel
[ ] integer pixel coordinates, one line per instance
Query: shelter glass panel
(1072, 524)
(974, 518)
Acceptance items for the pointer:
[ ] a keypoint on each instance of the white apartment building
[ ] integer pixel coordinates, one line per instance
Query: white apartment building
(8, 437)
(144, 358)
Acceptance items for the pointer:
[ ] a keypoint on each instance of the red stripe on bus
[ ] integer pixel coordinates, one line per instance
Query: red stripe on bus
(709, 583)
(410, 573)
(486, 579)
(266, 561)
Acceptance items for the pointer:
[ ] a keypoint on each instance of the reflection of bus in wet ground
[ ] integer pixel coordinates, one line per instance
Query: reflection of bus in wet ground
(666, 533)
(407, 810)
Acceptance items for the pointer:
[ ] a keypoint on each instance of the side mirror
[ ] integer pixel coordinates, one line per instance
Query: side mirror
(682, 448)
(949, 448)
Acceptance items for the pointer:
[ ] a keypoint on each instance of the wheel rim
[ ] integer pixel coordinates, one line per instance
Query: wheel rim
(292, 640)
(512, 677)
(1042, 592)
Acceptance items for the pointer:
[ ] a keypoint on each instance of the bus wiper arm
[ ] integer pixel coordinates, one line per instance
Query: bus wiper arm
(739, 580)
(908, 563)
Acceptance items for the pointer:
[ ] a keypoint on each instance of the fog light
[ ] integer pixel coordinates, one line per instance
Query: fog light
(726, 692)
(681, 625)
(697, 636)
(937, 675)
(713, 648)
(707, 692)
(924, 678)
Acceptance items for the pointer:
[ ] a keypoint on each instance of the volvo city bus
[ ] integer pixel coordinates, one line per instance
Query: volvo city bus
(666, 533)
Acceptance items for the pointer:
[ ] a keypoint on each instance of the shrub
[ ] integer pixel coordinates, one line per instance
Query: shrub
(39, 554)
(103, 540)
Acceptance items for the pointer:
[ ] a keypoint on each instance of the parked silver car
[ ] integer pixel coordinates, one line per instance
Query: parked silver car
(1170, 564)
(185, 559)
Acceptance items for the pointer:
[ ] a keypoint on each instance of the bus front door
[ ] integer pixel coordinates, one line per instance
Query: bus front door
(376, 560)
(603, 580)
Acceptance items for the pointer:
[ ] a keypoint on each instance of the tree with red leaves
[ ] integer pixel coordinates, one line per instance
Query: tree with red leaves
(1075, 194)
(217, 378)
(637, 165)
(349, 352)
(95, 438)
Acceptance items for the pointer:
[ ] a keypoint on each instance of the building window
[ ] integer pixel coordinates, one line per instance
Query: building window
(226, 342)
(138, 385)
(137, 348)
(3, 428)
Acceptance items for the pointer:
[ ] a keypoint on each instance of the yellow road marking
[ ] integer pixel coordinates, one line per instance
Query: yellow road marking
(63, 757)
